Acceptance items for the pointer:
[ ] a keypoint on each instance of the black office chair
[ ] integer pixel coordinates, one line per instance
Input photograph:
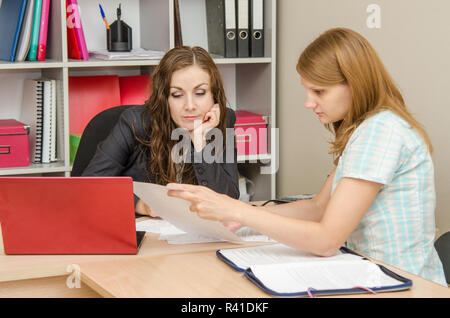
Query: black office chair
(442, 246)
(96, 131)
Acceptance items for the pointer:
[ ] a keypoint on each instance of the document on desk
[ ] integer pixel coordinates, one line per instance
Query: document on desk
(174, 235)
(176, 211)
(284, 271)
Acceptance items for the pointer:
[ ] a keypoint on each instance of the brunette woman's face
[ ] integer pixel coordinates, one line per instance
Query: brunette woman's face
(330, 103)
(190, 96)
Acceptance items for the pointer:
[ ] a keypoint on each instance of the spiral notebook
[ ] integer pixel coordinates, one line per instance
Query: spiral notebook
(31, 114)
(283, 271)
(39, 112)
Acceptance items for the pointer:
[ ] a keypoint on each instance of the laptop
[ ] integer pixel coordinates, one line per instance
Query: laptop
(68, 215)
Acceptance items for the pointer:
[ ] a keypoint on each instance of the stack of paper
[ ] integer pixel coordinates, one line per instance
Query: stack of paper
(174, 235)
(136, 54)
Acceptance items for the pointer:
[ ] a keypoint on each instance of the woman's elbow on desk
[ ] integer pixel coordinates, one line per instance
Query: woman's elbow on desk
(324, 243)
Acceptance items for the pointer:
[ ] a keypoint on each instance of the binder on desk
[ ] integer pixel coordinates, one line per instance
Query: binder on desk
(25, 34)
(280, 270)
(257, 28)
(243, 28)
(221, 27)
(11, 17)
(32, 54)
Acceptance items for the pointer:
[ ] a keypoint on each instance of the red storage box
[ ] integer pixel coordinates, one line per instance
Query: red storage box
(251, 133)
(14, 144)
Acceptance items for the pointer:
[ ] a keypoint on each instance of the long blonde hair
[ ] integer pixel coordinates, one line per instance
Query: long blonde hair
(343, 56)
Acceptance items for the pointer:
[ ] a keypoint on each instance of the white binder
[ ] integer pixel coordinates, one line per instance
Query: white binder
(257, 28)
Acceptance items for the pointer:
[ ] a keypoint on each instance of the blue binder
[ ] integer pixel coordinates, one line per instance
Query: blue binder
(11, 17)
(403, 283)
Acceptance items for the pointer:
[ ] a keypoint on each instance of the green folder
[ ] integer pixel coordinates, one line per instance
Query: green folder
(74, 142)
(32, 54)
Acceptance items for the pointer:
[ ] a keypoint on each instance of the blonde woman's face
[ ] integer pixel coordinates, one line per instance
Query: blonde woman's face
(329, 103)
(190, 96)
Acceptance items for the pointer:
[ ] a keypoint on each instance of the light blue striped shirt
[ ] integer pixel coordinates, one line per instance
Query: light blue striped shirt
(399, 227)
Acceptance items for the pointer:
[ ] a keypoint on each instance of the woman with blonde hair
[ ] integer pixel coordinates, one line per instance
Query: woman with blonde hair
(380, 198)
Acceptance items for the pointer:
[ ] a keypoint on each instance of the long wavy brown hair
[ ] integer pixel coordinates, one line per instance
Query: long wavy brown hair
(343, 56)
(160, 124)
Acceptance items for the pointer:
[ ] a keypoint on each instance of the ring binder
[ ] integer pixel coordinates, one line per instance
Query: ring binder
(221, 27)
(243, 28)
(257, 28)
(274, 269)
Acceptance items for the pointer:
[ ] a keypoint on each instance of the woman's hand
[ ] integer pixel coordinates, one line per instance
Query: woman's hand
(144, 209)
(232, 226)
(210, 121)
(209, 204)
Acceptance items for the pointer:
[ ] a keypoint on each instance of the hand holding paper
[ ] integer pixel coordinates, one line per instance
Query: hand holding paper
(207, 203)
(177, 212)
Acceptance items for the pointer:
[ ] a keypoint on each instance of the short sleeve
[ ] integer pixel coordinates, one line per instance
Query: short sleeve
(374, 152)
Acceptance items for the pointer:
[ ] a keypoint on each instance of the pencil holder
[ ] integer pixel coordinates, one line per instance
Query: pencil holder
(119, 37)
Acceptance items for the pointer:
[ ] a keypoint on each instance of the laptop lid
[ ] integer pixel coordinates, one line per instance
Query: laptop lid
(67, 215)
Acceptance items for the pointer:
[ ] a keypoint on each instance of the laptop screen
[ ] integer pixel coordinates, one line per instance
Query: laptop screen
(67, 215)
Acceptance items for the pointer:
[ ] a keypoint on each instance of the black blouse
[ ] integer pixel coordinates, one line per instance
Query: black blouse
(120, 154)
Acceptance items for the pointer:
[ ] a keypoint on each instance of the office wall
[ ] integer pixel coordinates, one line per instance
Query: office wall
(414, 43)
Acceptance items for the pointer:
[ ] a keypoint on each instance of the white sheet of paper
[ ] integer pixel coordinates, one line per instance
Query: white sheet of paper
(176, 211)
(174, 235)
(158, 226)
(275, 254)
(298, 277)
(288, 270)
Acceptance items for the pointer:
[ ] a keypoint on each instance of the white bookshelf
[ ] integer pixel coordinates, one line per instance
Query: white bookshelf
(249, 82)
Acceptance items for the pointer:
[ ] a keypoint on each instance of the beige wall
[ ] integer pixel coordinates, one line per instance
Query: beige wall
(413, 42)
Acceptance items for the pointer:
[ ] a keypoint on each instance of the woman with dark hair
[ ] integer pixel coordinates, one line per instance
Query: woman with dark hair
(187, 95)
(380, 199)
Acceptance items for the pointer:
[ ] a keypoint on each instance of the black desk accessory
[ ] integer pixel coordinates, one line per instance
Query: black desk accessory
(118, 36)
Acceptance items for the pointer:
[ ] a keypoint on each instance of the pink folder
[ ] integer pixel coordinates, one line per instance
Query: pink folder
(43, 29)
(75, 22)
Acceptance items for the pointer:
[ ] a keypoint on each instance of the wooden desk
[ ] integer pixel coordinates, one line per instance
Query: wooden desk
(46, 275)
(159, 270)
(200, 275)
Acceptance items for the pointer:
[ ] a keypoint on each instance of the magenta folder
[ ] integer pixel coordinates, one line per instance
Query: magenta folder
(43, 30)
(74, 21)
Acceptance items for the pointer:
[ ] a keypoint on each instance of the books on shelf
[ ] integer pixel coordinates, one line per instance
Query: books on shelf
(43, 29)
(76, 41)
(39, 112)
(34, 41)
(280, 270)
(23, 30)
(25, 35)
(49, 122)
(11, 17)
